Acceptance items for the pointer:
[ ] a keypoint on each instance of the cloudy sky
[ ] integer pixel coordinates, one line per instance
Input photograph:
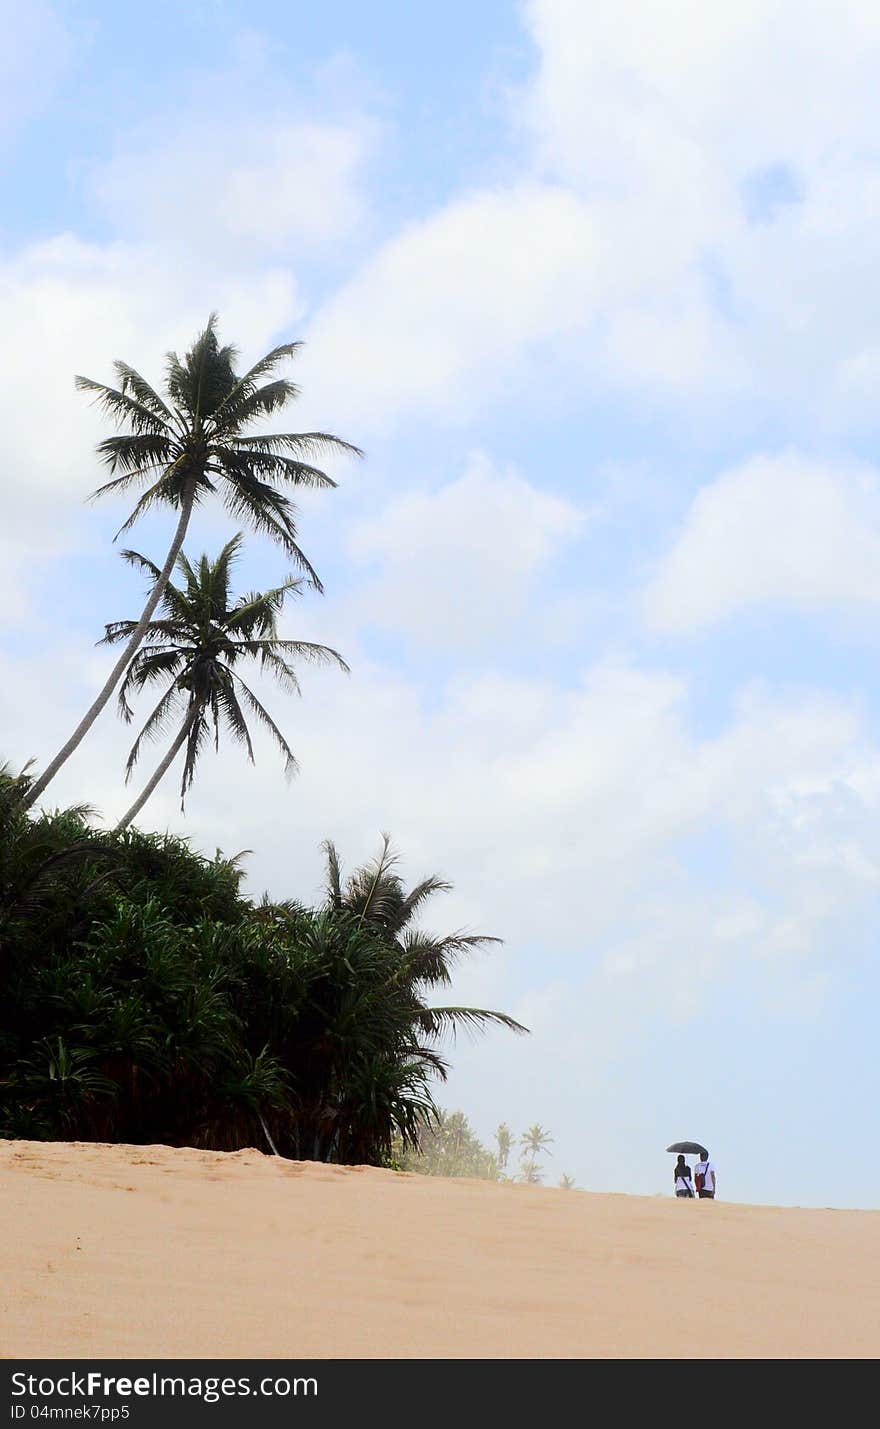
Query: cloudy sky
(595, 287)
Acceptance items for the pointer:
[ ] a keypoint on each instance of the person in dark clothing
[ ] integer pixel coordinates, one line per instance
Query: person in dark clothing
(684, 1186)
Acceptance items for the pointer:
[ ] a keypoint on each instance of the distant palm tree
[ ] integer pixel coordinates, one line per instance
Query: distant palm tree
(193, 446)
(195, 648)
(375, 897)
(568, 1183)
(530, 1172)
(504, 1139)
(535, 1140)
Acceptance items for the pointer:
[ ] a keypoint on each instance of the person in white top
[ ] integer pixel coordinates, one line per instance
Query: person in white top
(706, 1180)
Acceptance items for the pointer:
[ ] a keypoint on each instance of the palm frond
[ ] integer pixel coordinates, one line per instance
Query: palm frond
(255, 614)
(304, 650)
(437, 1021)
(266, 510)
(300, 444)
(232, 712)
(131, 380)
(195, 742)
(154, 726)
(290, 763)
(334, 873)
(253, 403)
(430, 960)
(173, 599)
(259, 465)
(371, 879)
(216, 576)
(148, 666)
(131, 453)
(420, 894)
(224, 416)
(163, 490)
(142, 417)
(198, 384)
(141, 563)
(124, 483)
(284, 674)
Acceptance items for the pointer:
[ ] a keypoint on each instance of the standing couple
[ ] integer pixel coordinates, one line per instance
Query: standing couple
(704, 1176)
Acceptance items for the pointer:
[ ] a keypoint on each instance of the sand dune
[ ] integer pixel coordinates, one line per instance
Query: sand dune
(142, 1250)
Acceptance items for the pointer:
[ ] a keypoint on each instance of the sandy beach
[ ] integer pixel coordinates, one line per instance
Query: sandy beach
(148, 1251)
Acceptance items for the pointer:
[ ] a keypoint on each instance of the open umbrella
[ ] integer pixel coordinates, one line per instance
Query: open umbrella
(689, 1148)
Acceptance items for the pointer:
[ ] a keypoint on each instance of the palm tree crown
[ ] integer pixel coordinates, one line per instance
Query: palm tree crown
(375, 897)
(535, 1140)
(195, 442)
(195, 648)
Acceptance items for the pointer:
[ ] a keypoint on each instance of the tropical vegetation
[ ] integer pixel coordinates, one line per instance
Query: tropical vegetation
(447, 1145)
(144, 997)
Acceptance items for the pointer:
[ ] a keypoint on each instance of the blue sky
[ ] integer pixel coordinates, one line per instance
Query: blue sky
(595, 288)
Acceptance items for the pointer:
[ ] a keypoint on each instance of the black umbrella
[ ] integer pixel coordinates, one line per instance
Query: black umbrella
(689, 1148)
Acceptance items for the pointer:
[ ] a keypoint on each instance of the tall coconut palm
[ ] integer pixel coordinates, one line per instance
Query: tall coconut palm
(190, 445)
(535, 1140)
(195, 648)
(375, 897)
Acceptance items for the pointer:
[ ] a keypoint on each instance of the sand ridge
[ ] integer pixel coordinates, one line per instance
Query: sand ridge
(156, 1252)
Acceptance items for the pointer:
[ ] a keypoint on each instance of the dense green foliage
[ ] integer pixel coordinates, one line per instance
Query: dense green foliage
(144, 999)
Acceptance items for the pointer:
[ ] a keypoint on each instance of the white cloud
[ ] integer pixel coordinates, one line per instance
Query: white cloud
(664, 117)
(625, 85)
(268, 186)
(460, 565)
(785, 531)
(441, 315)
(692, 214)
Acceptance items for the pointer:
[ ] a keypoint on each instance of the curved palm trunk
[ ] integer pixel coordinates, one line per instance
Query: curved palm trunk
(160, 772)
(85, 724)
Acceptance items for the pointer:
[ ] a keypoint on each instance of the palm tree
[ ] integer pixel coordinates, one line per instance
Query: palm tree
(530, 1172)
(193, 446)
(535, 1140)
(195, 647)
(504, 1138)
(567, 1183)
(374, 896)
